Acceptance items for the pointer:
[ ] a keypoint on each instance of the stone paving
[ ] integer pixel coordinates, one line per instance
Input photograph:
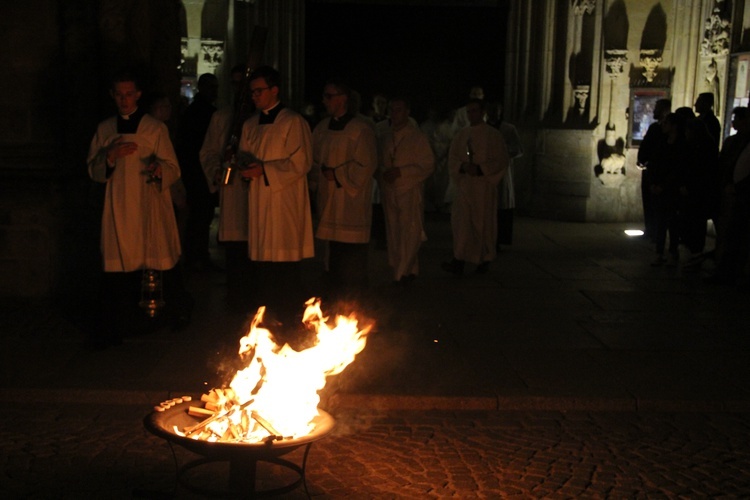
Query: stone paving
(103, 451)
(646, 371)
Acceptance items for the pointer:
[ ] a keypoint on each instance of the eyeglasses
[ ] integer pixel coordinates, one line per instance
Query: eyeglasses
(258, 91)
(331, 96)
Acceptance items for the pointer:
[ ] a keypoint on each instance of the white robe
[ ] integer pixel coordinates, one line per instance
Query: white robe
(279, 220)
(232, 197)
(474, 211)
(408, 150)
(345, 212)
(138, 222)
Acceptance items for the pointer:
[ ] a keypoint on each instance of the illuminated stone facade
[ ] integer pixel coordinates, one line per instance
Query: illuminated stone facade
(573, 69)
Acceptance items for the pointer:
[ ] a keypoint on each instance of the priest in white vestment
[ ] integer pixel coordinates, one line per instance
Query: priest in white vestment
(278, 143)
(406, 161)
(477, 161)
(233, 198)
(275, 155)
(345, 159)
(132, 154)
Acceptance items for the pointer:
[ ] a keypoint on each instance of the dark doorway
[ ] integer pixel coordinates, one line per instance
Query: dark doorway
(433, 54)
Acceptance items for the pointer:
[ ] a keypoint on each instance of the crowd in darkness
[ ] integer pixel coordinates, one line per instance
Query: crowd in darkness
(283, 179)
(690, 177)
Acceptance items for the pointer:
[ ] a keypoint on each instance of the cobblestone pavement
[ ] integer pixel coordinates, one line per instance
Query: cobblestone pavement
(104, 451)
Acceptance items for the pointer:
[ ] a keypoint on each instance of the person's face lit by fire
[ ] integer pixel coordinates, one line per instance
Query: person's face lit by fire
(264, 96)
(161, 109)
(399, 114)
(126, 96)
(334, 101)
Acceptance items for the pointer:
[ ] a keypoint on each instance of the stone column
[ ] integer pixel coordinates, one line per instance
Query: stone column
(286, 18)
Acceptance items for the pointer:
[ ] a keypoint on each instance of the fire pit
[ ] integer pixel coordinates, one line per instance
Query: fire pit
(242, 457)
(268, 409)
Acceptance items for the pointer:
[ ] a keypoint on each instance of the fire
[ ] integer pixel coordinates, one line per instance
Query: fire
(276, 395)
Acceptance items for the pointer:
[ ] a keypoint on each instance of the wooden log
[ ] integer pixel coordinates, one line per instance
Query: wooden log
(197, 411)
(266, 425)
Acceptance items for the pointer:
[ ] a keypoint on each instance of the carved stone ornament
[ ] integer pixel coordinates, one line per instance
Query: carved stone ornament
(581, 7)
(615, 60)
(212, 52)
(650, 60)
(581, 94)
(716, 34)
(613, 171)
(712, 69)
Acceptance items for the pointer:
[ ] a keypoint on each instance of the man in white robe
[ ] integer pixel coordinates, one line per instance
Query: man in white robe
(344, 161)
(275, 155)
(406, 161)
(132, 154)
(233, 198)
(477, 161)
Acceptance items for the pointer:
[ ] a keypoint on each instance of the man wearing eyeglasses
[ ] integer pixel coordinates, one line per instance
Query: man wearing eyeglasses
(344, 161)
(275, 154)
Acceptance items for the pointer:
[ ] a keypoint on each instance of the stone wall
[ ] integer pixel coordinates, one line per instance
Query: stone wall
(573, 68)
(562, 181)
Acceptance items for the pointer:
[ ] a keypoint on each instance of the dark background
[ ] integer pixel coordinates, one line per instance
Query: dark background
(431, 54)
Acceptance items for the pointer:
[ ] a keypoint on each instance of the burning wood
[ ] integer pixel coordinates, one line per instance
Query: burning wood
(276, 395)
(197, 411)
(267, 426)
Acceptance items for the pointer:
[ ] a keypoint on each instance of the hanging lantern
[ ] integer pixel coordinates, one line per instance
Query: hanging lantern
(152, 297)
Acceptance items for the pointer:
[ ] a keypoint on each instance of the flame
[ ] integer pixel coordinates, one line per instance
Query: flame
(279, 386)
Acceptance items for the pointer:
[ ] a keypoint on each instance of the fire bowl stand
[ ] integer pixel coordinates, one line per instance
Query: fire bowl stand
(242, 476)
(243, 458)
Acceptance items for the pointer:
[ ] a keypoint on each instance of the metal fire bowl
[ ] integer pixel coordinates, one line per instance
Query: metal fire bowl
(162, 424)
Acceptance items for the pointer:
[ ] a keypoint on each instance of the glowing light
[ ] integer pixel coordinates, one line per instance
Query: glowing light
(634, 232)
(279, 386)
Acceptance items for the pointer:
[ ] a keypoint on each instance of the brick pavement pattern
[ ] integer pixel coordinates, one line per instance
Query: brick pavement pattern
(103, 451)
(572, 319)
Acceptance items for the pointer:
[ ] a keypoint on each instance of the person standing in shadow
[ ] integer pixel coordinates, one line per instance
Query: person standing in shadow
(407, 161)
(664, 187)
(506, 192)
(650, 148)
(478, 160)
(201, 201)
(232, 232)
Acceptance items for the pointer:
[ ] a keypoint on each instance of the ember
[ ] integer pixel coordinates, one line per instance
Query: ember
(275, 396)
